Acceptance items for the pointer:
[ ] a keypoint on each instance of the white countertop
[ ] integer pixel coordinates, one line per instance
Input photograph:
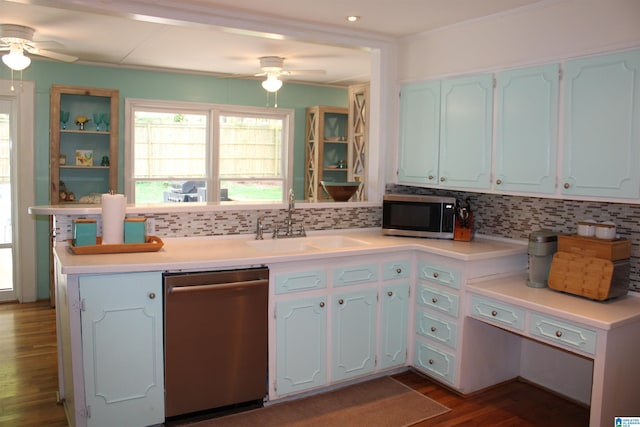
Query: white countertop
(155, 208)
(598, 314)
(197, 253)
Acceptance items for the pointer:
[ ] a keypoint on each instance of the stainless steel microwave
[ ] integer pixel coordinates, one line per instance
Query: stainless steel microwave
(418, 216)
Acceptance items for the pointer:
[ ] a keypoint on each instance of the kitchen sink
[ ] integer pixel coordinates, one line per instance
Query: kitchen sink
(281, 245)
(300, 244)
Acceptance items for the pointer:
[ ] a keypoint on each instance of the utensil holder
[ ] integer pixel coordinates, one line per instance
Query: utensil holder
(464, 234)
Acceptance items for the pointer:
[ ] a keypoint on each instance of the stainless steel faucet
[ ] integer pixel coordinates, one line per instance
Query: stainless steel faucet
(292, 205)
(288, 229)
(259, 228)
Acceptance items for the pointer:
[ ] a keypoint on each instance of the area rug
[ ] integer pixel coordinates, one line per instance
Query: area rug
(382, 402)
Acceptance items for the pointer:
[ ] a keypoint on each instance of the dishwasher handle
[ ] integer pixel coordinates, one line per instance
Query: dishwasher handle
(216, 287)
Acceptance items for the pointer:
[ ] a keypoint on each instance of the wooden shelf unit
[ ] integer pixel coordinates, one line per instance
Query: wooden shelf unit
(83, 179)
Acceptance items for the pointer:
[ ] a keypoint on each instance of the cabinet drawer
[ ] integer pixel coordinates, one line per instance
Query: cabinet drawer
(436, 362)
(355, 274)
(498, 312)
(396, 270)
(437, 329)
(441, 301)
(442, 275)
(562, 332)
(300, 281)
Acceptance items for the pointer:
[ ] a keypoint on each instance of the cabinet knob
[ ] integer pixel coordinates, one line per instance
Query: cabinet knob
(390, 293)
(566, 186)
(152, 295)
(431, 362)
(398, 270)
(434, 300)
(498, 181)
(430, 177)
(321, 303)
(558, 334)
(435, 275)
(433, 329)
(494, 313)
(340, 301)
(442, 179)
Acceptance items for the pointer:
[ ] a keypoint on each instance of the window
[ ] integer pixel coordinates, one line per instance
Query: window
(184, 152)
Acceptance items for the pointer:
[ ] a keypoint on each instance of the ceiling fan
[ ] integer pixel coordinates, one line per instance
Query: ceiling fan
(17, 39)
(273, 68)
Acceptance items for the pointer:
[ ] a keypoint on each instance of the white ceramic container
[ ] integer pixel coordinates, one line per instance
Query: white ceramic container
(606, 230)
(587, 228)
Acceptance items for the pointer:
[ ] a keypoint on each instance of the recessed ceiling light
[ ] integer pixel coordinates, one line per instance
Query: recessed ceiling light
(353, 18)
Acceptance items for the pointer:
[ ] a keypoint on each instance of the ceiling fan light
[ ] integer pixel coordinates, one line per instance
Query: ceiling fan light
(16, 60)
(272, 84)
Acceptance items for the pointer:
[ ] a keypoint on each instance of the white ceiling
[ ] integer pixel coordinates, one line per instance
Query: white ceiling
(228, 36)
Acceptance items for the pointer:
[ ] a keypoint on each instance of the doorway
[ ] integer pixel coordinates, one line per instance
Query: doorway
(18, 262)
(7, 131)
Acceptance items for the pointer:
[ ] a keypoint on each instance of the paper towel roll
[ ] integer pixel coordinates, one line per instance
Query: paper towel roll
(113, 211)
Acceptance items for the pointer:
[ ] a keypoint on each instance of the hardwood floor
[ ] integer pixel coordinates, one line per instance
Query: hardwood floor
(515, 404)
(28, 366)
(29, 381)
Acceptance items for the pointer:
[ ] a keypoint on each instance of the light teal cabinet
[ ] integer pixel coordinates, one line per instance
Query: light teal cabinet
(602, 126)
(301, 344)
(527, 129)
(122, 348)
(353, 333)
(393, 324)
(466, 131)
(419, 133)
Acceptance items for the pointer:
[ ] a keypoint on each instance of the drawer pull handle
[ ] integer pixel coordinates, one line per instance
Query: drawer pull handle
(340, 301)
(433, 329)
(442, 179)
(152, 295)
(499, 181)
(558, 334)
(430, 177)
(390, 293)
(434, 300)
(494, 313)
(322, 304)
(435, 275)
(566, 186)
(398, 270)
(431, 362)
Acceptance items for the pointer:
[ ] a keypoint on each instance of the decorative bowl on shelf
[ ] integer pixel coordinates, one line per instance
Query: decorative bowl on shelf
(340, 191)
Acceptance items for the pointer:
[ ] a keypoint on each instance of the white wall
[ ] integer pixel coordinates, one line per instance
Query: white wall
(547, 32)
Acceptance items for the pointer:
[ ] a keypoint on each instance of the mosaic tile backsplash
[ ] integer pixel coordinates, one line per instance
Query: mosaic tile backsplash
(497, 215)
(515, 217)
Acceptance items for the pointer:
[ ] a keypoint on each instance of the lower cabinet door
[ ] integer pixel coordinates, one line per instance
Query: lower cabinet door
(122, 349)
(435, 362)
(353, 334)
(394, 322)
(301, 344)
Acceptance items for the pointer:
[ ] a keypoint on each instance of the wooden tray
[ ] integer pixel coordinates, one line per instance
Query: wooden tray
(153, 244)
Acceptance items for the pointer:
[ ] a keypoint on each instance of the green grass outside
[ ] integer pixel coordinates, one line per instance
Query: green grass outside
(152, 191)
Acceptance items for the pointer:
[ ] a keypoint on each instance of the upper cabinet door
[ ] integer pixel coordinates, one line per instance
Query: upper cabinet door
(601, 126)
(466, 130)
(526, 129)
(419, 133)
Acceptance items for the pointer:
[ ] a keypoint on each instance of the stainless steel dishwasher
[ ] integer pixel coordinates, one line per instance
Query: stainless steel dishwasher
(216, 339)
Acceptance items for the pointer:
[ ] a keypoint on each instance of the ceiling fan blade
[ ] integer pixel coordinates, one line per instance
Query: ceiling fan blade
(47, 45)
(49, 54)
(304, 72)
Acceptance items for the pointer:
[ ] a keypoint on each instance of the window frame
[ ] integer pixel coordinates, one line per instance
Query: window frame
(213, 112)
